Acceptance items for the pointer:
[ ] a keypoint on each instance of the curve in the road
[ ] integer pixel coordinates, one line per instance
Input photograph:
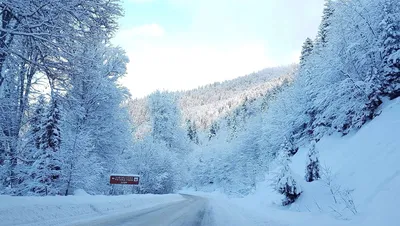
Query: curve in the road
(193, 211)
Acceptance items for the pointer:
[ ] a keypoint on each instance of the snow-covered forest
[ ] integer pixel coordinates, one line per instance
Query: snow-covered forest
(205, 105)
(61, 121)
(67, 124)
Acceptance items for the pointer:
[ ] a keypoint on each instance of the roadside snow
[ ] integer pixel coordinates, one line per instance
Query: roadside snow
(61, 210)
(223, 210)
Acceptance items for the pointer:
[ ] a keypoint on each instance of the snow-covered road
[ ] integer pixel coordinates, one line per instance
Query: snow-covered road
(192, 211)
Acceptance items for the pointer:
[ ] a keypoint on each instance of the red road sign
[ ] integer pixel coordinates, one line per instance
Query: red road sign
(124, 179)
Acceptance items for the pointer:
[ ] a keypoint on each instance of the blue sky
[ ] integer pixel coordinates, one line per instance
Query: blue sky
(182, 44)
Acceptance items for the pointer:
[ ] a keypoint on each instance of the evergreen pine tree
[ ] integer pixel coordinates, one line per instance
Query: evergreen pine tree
(390, 48)
(289, 147)
(31, 146)
(192, 131)
(36, 122)
(306, 51)
(285, 184)
(325, 23)
(313, 167)
(233, 124)
(46, 170)
(213, 131)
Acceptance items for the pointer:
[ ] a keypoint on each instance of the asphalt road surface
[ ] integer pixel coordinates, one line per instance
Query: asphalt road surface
(193, 211)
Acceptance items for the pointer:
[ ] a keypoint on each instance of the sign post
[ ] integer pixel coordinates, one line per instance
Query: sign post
(124, 179)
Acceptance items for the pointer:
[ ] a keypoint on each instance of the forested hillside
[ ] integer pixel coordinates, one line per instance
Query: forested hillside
(204, 105)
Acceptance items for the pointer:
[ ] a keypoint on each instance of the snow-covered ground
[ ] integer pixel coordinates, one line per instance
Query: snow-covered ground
(364, 169)
(61, 210)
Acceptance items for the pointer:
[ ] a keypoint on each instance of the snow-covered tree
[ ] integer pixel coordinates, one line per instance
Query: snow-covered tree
(285, 184)
(213, 130)
(30, 147)
(306, 51)
(167, 131)
(51, 28)
(192, 131)
(166, 121)
(390, 42)
(325, 24)
(36, 122)
(248, 158)
(155, 164)
(46, 170)
(96, 125)
(39, 44)
(312, 166)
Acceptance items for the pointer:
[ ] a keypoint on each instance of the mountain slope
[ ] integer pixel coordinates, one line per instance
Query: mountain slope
(361, 168)
(208, 103)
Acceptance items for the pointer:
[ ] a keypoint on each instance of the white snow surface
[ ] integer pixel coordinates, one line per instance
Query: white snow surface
(60, 210)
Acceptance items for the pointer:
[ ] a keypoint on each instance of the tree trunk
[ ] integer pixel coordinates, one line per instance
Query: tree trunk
(5, 39)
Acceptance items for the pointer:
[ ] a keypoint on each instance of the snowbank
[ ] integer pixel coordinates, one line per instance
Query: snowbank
(61, 210)
(223, 210)
(364, 164)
